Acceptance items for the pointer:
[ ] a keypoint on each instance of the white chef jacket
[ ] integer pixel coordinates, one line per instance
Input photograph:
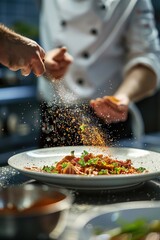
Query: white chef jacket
(105, 37)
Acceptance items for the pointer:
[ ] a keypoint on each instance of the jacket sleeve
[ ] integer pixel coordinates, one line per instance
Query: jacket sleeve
(142, 40)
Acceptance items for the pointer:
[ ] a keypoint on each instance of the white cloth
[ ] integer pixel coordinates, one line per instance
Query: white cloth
(105, 37)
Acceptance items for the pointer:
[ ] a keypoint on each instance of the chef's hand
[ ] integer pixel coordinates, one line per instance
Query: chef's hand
(57, 62)
(111, 109)
(20, 53)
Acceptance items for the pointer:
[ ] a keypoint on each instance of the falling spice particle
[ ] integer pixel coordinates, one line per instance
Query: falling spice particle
(71, 124)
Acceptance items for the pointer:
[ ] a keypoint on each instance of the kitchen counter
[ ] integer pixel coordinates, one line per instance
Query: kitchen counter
(84, 201)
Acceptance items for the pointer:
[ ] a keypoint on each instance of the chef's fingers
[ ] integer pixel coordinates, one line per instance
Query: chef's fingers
(65, 62)
(25, 71)
(59, 73)
(41, 52)
(117, 106)
(52, 65)
(95, 102)
(38, 66)
(107, 101)
(109, 114)
(60, 53)
(68, 58)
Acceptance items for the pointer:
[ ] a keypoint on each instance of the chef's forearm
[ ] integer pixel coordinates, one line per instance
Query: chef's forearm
(139, 82)
(7, 34)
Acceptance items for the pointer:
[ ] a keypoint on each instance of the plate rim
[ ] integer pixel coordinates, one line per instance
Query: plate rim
(97, 211)
(142, 176)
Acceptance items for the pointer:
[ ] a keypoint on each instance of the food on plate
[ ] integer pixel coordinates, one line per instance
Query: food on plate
(139, 229)
(93, 165)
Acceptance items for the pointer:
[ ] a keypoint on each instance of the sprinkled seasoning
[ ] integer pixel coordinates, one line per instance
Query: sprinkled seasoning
(70, 123)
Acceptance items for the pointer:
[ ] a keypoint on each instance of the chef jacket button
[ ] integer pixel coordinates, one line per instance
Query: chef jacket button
(94, 31)
(103, 7)
(85, 55)
(63, 23)
(80, 81)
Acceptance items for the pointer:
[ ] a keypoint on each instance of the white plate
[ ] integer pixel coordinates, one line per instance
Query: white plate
(47, 156)
(107, 217)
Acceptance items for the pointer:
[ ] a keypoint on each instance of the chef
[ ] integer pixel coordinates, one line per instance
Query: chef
(116, 50)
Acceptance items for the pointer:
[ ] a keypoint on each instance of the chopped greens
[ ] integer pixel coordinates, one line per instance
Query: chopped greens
(48, 169)
(84, 153)
(65, 164)
(72, 153)
(138, 229)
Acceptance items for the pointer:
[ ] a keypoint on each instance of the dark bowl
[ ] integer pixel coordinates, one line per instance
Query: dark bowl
(33, 212)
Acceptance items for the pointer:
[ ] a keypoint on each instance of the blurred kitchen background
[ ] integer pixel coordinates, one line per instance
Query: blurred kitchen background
(19, 108)
(19, 111)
